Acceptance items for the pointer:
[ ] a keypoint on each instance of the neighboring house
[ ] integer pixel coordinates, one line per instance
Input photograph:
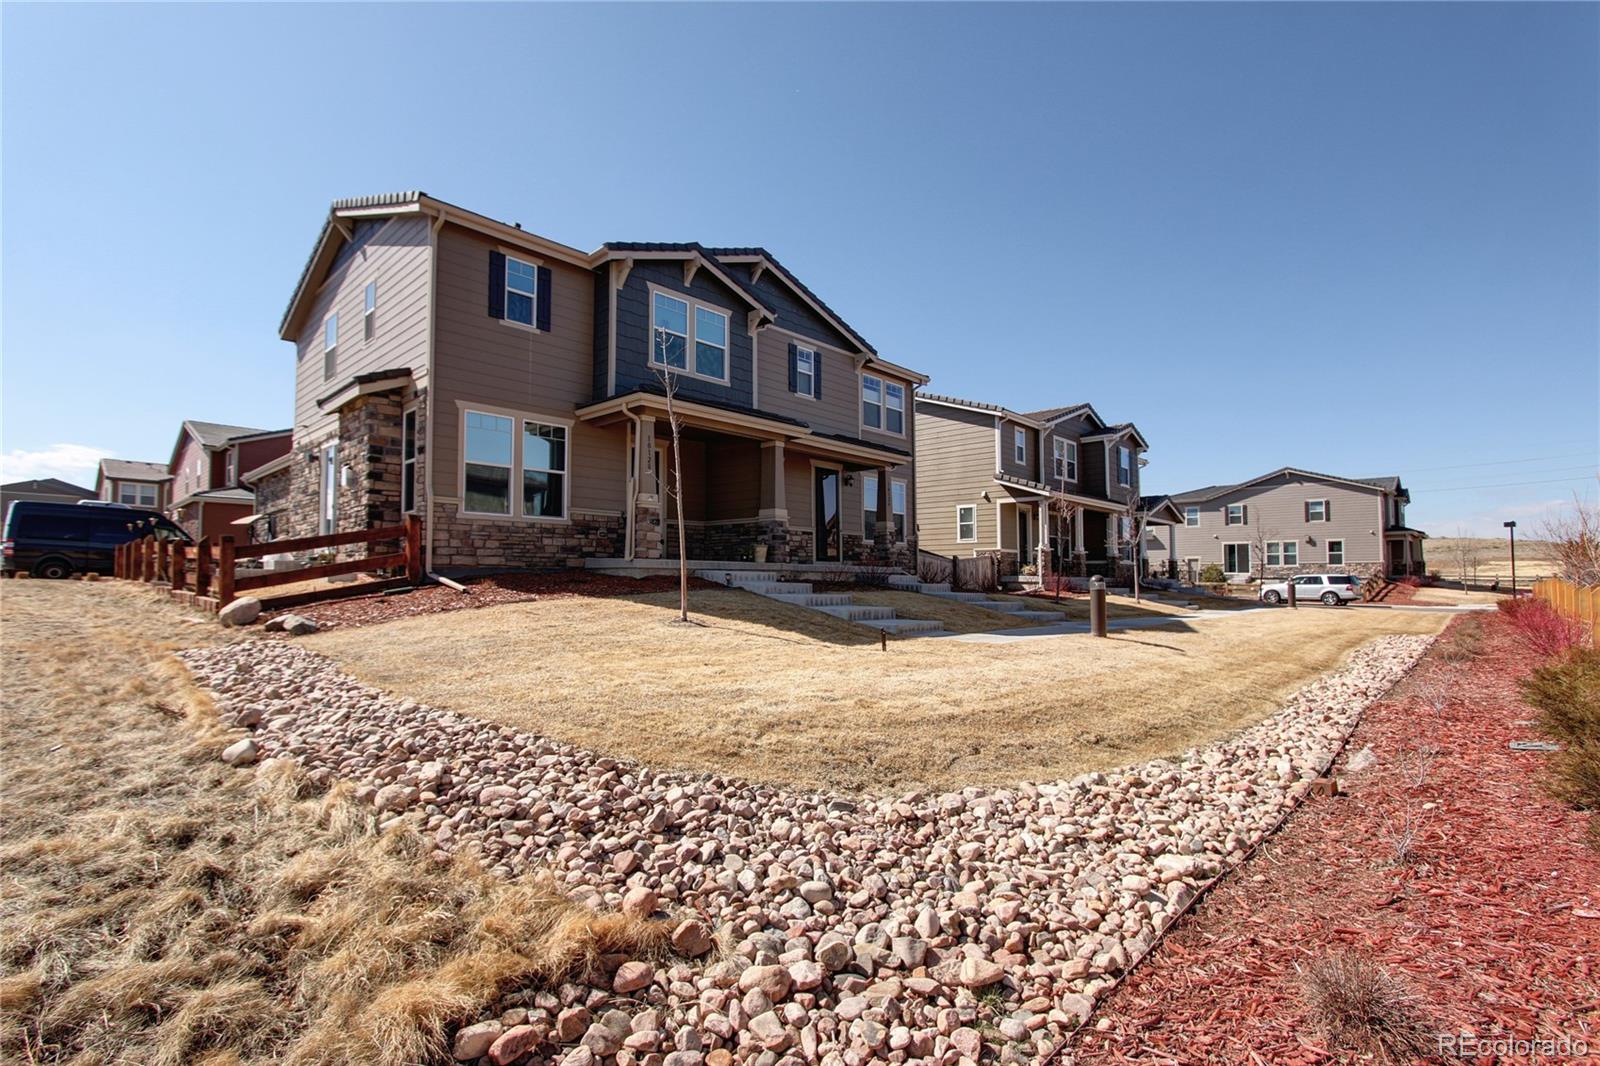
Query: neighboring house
(507, 388)
(1293, 521)
(209, 497)
(42, 490)
(134, 483)
(991, 480)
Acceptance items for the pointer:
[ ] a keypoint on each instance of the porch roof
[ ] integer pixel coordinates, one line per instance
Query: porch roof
(1035, 488)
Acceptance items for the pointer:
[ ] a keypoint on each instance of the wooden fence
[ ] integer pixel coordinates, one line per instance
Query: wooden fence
(210, 569)
(1578, 602)
(978, 573)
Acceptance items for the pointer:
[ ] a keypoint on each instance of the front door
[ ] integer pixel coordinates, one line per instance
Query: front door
(1024, 541)
(827, 512)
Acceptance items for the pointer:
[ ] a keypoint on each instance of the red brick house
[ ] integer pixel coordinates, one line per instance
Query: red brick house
(209, 497)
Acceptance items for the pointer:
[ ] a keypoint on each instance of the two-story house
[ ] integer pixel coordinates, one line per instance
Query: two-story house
(992, 480)
(1293, 521)
(134, 483)
(208, 497)
(512, 390)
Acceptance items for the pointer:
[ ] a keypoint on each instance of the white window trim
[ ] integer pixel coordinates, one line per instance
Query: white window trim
(369, 310)
(409, 409)
(974, 509)
(1278, 548)
(1227, 515)
(507, 290)
(865, 510)
(906, 514)
(1236, 544)
(1324, 518)
(1189, 512)
(809, 393)
(138, 488)
(1123, 449)
(1340, 543)
(565, 471)
(883, 405)
(1019, 445)
(517, 418)
(330, 366)
(1066, 452)
(687, 370)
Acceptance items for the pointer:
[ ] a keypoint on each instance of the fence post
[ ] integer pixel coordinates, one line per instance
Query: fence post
(163, 563)
(225, 572)
(955, 572)
(150, 558)
(180, 566)
(202, 569)
(116, 561)
(413, 540)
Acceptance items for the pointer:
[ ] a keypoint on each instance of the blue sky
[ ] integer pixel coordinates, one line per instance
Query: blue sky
(1356, 238)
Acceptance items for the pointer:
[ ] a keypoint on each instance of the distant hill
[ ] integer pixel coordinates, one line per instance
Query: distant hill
(1494, 558)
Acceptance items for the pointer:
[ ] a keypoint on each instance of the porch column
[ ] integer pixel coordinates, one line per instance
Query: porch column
(773, 518)
(885, 537)
(1408, 556)
(644, 456)
(647, 510)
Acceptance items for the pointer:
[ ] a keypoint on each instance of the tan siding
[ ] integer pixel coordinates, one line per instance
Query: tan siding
(955, 465)
(1067, 429)
(396, 257)
(1279, 506)
(1028, 469)
(482, 361)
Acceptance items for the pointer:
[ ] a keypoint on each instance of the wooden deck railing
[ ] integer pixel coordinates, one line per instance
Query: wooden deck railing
(1581, 603)
(214, 571)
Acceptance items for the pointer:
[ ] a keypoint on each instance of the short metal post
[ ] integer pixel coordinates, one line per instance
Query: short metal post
(1289, 591)
(1097, 606)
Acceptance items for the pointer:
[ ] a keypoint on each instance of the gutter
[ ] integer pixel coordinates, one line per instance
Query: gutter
(433, 388)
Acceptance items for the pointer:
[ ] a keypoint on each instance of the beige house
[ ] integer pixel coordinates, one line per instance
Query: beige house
(134, 483)
(992, 480)
(510, 389)
(1292, 521)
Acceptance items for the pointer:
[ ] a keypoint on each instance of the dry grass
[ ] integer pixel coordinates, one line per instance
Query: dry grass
(1359, 1007)
(1534, 559)
(162, 908)
(956, 616)
(1076, 608)
(783, 694)
(1442, 597)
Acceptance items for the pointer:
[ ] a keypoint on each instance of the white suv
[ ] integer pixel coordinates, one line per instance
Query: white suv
(1331, 589)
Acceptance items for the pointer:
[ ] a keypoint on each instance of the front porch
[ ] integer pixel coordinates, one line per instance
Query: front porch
(1034, 532)
(1403, 555)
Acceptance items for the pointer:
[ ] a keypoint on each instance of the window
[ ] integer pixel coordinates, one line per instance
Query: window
(1124, 465)
(967, 522)
(1191, 516)
(894, 401)
(408, 461)
(1236, 558)
(1019, 444)
(369, 311)
(871, 402)
(330, 346)
(136, 494)
(1283, 553)
(1124, 528)
(327, 518)
(522, 290)
(1316, 510)
(805, 361)
(486, 484)
(1236, 514)
(1336, 553)
(869, 506)
(1066, 459)
(897, 509)
(544, 470)
(710, 343)
(673, 339)
(231, 468)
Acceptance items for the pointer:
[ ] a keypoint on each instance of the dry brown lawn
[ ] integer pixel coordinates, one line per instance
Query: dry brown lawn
(161, 908)
(1533, 559)
(781, 694)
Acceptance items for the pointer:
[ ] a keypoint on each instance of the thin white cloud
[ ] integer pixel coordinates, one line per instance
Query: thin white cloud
(76, 463)
(1528, 516)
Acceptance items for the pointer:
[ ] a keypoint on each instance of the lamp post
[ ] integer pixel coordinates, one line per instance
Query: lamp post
(1511, 528)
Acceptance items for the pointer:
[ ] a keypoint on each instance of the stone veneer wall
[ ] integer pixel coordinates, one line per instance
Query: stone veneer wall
(1365, 571)
(465, 540)
(272, 504)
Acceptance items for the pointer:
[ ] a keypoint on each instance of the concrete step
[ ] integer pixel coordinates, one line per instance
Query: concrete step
(777, 588)
(963, 597)
(905, 581)
(1038, 616)
(905, 627)
(813, 599)
(859, 613)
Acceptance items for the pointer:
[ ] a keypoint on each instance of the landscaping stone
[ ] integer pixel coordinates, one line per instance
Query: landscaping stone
(856, 928)
(241, 612)
(474, 1041)
(241, 752)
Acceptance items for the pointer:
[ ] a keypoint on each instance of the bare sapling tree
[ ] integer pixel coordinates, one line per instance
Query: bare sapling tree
(1467, 555)
(1064, 515)
(1136, 519)
(673, 486)
(1572, 542)
(1259, 540)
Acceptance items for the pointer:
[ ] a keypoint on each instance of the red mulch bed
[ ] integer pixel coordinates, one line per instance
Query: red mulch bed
(488, 591)
(1495, 922)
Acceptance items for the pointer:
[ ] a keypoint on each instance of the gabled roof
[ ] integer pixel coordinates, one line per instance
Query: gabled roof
(800, 288)
(48, 485)
(217, 435)
(1055, 414)
(1113, 432)
(1156, 505)
(133, 470)
(1384, 484)
(977, 405)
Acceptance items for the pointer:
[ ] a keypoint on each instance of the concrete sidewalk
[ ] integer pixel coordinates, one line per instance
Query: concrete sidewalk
(1064, 629)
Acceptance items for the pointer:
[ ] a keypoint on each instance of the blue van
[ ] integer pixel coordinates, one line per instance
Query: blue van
(56, 540)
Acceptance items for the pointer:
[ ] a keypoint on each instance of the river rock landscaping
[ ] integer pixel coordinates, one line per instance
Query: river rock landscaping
(979, 925)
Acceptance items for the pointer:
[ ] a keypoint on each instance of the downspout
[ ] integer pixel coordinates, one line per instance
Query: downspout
(433, 390)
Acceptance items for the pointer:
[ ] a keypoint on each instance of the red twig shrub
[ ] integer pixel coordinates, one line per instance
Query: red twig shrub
(1567, 693)
(1540, 628)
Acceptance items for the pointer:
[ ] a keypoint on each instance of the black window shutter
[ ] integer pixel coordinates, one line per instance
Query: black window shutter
(816, 373)
(541, 316)
(1327, 510)
(794, 367)
(497, 285)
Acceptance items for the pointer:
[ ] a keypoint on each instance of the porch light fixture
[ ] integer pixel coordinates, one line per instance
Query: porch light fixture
(849, 479)
(1311, 540)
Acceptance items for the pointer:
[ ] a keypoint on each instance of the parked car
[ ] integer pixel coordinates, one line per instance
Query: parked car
(56, 540)
(1331, 589)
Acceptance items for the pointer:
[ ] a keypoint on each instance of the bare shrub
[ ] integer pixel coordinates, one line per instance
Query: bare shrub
(1540, 628)
(1401, 836)
(1572, 542)
(1361, 1007)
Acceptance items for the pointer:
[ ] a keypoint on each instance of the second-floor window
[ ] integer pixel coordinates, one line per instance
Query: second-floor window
(1124, 465)
(1236, 515)
(232, 468)
(369, 310)
(1019, 445)
(883, 404)
(137, 495)
(1191, 516)
(1066, 459)
(330, 346)
(679, 328)
(522, 290)
(1316, 510)
(805, 372)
